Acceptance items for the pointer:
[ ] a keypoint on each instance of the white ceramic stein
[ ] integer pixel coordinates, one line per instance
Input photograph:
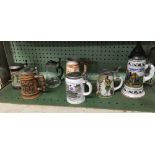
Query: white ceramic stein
(105, 84)
(75, 88)
(135, 77)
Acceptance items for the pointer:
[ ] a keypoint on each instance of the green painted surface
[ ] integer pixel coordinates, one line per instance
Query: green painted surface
(57, 97)
(99, 54)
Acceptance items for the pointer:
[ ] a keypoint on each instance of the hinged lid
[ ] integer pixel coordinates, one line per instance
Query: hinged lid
(16, 66)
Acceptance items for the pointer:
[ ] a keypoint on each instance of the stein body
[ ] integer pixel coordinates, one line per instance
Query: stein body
(75, 88)
(105, 84)
(31, 85)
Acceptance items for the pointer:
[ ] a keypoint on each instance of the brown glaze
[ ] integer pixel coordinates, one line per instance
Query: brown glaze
(30, 85)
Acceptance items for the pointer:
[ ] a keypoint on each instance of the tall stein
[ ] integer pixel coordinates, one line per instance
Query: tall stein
(135, 74)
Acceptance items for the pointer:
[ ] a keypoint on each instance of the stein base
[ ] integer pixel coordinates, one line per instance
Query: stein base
(75, 102)
(133, 96)
(31, 97)
(100, 96)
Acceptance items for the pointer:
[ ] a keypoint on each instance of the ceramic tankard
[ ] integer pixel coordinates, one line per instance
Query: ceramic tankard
(73, 65)
(135, 77)
(136, 73)
(105, 84)
(75, 88)
(31, 84)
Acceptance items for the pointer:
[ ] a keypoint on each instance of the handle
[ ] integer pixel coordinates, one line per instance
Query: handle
(120, 85)
(42, 82)
(151, 74)
(84, 67)
(60, 70)
(90, 88)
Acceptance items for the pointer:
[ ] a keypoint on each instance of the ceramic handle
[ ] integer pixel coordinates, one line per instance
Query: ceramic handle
(120, 85)
(90, 88)
(42, 81)
(151, 74)
(84, 67)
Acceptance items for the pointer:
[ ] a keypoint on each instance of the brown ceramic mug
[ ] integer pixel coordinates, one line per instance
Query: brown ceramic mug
(31, 85)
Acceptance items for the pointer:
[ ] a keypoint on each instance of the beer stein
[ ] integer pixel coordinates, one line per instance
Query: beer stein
(75, 88)
(15, 71)
(31, 84)
(73, 65)
(135, 74)
(105, 84)
(53, 74)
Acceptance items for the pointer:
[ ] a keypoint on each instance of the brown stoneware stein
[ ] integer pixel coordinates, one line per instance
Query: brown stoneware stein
(31, 84)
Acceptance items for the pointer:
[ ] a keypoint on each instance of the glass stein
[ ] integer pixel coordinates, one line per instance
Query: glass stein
(53, 74)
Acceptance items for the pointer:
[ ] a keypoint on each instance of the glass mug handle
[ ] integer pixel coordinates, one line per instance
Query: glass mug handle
(42, 82)
(120, 85)
(60, 71)
(152, 71)
(90, 88)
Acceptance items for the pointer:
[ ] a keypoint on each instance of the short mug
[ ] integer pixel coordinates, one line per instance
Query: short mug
(31, 85)
(75, 88)
(105, 84)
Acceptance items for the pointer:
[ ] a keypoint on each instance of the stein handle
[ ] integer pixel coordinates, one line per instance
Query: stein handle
(84, 67)
(90, 88)
(151, 74)
(120, 85)
(60, 70)
(42, 82)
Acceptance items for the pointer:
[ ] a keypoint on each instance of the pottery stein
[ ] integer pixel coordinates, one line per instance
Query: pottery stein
(135, 74)
(31, 84)
(75, 88)
(105, 84)
(74, 65)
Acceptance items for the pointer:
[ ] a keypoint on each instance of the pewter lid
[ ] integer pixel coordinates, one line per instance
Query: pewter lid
(16, 66)
(74, 75)
(138, 52)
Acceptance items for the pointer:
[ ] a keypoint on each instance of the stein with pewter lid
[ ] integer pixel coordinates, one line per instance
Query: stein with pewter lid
(31, 84)
(105, 83)
(136, 73)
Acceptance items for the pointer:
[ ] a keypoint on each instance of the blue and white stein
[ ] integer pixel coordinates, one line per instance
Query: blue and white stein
(135, 75)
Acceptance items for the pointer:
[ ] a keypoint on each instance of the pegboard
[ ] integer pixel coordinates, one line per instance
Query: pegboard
(98, 54)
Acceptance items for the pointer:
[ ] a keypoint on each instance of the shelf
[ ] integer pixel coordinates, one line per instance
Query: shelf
(57, 97)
